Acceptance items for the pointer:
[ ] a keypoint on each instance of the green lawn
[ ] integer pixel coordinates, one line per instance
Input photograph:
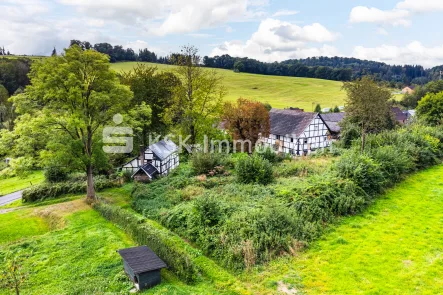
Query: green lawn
(13, 184)
(21, 224)
(279, 91)
(396, 247)
(81, 257)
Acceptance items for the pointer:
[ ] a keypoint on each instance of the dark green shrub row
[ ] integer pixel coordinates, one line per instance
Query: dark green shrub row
(174, 251)
(54, 190)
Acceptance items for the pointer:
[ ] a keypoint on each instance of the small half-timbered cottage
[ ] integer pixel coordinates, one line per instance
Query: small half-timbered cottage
(296, 132)
(156, 160)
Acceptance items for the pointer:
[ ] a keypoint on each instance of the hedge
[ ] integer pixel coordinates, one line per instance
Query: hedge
(169, 247)
(45, 191)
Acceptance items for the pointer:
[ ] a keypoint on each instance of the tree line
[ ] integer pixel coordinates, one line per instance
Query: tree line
(118, 53)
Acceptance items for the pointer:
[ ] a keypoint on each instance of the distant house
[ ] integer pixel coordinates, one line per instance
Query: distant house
(408, 90)
(296, 132)
(332, 121)
(156, 160)
(400, 116)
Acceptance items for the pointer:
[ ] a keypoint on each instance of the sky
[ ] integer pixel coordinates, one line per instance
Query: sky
(391, 31)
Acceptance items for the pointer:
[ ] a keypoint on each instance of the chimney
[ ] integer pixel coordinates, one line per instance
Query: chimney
(142, 155)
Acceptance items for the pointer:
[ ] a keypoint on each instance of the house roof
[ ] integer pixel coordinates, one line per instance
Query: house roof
(141, 259)
(148, 169)
(399, 115)
(290, 122)
(332, 119)
(163, 149)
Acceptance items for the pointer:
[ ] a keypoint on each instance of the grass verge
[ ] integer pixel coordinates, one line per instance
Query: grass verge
(13, 184)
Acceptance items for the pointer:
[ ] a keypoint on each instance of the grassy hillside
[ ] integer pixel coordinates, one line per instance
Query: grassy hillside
(279, 91)
(395, 248)
(13, 184)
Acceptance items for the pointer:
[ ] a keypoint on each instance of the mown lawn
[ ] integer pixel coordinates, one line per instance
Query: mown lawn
(396, 247)
(279, 91)
(13, 184)
(79, 255)
(21, 224)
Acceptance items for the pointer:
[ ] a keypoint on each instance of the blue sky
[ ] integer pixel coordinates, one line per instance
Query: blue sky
(392, 31)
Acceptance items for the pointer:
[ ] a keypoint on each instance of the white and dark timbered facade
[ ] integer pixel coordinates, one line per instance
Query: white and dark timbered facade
(296, 132)
(156, 160)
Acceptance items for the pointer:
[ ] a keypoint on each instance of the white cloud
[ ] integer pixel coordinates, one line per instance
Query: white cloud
(285, 12)
(413, 53)
(396, 17)
(421, 5)
(171, 16)
(382, 31)
(199, 35)
(276, 40)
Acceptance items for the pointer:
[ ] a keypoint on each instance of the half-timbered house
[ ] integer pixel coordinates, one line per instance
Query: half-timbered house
(296, 132)
(156, 160)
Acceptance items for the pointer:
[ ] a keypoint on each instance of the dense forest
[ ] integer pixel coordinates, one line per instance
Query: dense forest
(330, 68)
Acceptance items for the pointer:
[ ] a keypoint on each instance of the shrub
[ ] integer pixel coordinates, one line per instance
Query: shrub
(46, 191)
(56, 174)
(362, 170)
(254, 169)
(202, 163)
(175, 252)
(269, 154)
(256, 234)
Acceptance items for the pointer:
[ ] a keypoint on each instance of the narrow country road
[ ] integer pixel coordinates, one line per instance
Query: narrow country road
(10, 198)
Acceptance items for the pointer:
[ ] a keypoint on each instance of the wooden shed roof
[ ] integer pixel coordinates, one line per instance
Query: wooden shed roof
(141, 259)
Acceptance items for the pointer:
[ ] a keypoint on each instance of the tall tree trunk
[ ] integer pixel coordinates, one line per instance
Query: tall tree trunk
(90, 195)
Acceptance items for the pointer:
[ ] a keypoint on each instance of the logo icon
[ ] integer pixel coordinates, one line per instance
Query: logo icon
(119, 139)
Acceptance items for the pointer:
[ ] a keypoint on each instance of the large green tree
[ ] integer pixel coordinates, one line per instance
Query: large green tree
(430, 108)
(197, 101)
(367, 105)
(155, 90)
(77, 94)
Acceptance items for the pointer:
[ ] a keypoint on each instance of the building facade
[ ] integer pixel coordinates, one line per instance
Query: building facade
(296, 132)
(156, 160)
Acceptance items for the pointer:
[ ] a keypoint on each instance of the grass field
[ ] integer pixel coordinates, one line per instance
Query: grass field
(13, 184)
(394, 248)
(21, 224)
(71, 249)
(279, 91)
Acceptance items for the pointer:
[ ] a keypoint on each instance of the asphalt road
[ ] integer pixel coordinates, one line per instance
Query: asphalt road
(10, 198)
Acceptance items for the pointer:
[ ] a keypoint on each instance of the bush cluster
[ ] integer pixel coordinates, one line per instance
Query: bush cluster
(46, 191)
(245, 223)
(56, 174)
(170, 248)
(203, 163)
(254, 169)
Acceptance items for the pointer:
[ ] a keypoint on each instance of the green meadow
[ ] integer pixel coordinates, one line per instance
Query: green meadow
(279, 91)
(13, 184)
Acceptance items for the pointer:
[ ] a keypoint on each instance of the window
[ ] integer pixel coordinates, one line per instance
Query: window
(277, 137)
(306, 140)
(292, 140)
